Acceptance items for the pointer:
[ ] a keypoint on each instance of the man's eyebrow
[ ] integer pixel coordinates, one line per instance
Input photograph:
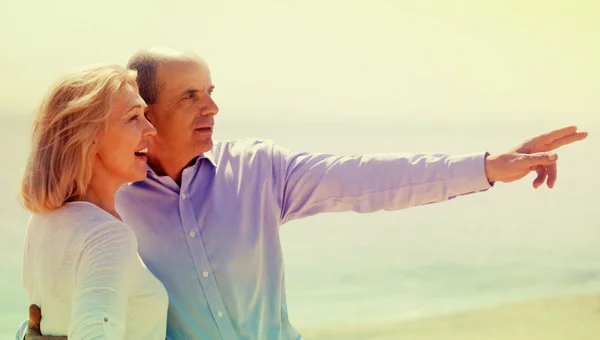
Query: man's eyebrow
(189, 91)
(195, 90)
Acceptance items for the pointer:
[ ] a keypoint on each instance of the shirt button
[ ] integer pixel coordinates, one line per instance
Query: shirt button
(220, 314)
(184, 196)
(205, 274)
(192, 234)
(105, 319)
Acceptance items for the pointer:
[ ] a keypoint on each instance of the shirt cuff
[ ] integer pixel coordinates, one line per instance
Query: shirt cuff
(468, 173)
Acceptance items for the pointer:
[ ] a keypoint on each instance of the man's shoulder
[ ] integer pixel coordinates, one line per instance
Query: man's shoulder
(241, 145)
(238, 148)
(246, 152)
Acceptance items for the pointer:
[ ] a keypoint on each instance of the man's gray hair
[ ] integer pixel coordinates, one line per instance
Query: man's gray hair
(146, 64)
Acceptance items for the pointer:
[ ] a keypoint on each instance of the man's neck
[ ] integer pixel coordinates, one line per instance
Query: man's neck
(169, 166)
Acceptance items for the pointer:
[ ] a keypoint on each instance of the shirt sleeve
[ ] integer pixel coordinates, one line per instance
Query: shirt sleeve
(22, 330)
(315, 183)
(104, 280)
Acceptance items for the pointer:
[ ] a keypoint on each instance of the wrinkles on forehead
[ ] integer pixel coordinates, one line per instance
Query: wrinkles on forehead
(180, 76)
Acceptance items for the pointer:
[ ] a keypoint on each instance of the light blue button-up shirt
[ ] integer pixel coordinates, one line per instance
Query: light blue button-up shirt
(214, 242)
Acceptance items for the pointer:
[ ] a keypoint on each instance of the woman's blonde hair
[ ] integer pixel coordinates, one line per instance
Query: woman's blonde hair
(69, 120)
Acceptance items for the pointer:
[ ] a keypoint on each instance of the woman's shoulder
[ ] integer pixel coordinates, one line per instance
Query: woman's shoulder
(82, 221)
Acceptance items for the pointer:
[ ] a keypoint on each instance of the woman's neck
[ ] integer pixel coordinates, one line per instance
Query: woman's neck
(103, 196)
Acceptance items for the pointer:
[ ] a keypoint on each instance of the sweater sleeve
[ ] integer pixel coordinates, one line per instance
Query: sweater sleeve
(103, 283)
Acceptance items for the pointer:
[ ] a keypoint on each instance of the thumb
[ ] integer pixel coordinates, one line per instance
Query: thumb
(541, 158)
(35, 317)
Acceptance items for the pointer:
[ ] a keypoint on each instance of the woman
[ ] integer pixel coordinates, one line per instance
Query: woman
(80, 263)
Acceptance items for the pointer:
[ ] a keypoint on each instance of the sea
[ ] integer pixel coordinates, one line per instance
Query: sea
(509, 244)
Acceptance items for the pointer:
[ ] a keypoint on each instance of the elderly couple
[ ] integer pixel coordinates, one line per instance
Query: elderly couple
(142, 227)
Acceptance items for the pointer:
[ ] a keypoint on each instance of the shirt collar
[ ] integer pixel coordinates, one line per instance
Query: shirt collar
(207, 155)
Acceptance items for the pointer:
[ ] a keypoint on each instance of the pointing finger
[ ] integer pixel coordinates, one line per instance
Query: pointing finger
(551, 136)
(577, 136)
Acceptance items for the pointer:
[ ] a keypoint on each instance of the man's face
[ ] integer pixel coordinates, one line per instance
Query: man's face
(184, 110)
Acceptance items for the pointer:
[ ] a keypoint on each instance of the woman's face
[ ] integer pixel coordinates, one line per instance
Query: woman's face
(121, 152)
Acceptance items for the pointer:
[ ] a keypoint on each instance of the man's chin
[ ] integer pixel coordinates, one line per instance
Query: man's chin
(205, 146)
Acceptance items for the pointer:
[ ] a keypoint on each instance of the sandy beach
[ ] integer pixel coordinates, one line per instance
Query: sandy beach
(571, 318)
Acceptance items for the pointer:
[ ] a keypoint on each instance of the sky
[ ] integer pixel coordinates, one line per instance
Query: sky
(438, 64)
(351, 61)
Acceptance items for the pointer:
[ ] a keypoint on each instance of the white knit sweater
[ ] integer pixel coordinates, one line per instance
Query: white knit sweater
(81, 267)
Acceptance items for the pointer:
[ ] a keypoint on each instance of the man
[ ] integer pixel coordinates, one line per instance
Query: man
(207, 217)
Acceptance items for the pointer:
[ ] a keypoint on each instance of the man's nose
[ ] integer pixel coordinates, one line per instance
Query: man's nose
(210, 107)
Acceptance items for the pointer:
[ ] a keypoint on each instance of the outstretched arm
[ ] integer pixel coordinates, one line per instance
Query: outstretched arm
(309, 184)
(317, 183)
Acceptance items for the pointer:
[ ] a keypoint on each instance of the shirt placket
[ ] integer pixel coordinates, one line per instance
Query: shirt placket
(199, 255)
